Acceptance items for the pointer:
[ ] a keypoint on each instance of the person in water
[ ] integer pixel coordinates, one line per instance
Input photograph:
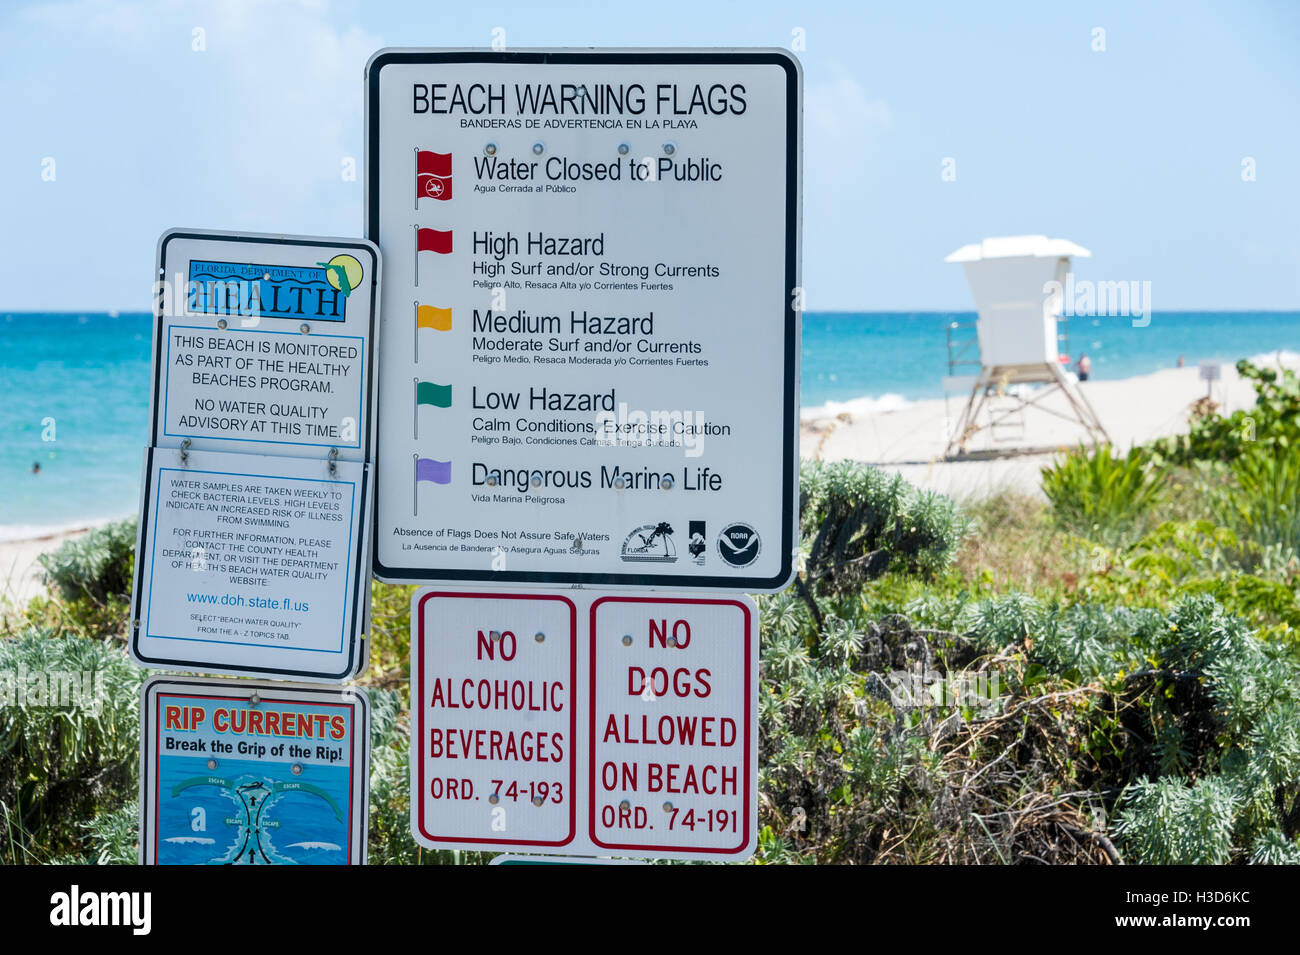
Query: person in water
(36, 467)
(1084, 367)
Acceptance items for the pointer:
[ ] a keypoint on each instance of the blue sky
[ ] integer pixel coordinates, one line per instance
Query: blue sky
(1135, 152)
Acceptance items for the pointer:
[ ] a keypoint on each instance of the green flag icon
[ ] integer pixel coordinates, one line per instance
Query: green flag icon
(429, 393)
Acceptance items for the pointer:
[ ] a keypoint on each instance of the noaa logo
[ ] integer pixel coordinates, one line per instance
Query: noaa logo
(650, 542)
(738, 545)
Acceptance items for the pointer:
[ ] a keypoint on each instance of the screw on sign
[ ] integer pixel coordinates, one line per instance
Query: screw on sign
(673, 726)
(492, 690)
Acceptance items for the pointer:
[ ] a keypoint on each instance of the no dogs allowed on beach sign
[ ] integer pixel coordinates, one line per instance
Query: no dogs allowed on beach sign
(590, 326)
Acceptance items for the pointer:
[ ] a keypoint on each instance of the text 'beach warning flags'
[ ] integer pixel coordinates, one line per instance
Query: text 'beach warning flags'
(432, 175)
(429, 316)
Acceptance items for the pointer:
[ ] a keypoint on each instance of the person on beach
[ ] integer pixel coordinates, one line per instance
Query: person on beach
(1084, 367)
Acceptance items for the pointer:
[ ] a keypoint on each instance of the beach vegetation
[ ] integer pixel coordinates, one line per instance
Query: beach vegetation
(1273, 423)
(1103, 495)
(976, 683)
(69, 740)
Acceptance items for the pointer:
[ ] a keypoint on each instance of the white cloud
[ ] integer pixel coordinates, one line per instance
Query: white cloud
(840, 115)
(260, 120)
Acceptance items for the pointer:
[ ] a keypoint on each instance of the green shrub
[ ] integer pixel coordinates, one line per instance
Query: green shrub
(1263, 503)
(1173, 822)
(68, 754)
(858, 522)
(97, 565)
(1103, 496)
(1273, 423)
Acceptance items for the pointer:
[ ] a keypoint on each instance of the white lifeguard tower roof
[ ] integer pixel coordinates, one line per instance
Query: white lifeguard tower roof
(1016, 281)
(1018, 246)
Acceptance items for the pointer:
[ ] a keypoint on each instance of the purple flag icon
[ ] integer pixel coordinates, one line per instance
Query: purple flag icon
(427, 469)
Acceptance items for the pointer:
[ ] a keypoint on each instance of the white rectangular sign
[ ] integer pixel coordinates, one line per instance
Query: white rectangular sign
(591, 322)
(244, 773)
(249, 564)
(264, 344)
(253, 549)
(600, 725)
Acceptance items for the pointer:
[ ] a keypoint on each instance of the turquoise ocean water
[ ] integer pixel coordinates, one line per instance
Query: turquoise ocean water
(83, 380)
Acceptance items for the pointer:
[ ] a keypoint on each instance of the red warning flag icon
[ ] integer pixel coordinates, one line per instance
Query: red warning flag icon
(432, 175)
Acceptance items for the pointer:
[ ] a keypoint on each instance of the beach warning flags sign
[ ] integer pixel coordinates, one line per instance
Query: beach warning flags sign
(432, 175)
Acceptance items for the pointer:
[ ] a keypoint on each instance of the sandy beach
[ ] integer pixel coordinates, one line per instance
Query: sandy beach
(20, 572)
(911, 441)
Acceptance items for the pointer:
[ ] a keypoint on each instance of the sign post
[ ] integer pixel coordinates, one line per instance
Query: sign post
(591, 327)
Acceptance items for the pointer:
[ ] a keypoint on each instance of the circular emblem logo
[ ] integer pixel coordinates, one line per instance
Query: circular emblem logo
(738, 545)
(434, 187)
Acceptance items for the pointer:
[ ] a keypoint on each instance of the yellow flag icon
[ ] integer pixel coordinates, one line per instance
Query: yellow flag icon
(427, 316)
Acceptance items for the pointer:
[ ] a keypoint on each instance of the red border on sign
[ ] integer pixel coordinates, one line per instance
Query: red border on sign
(417, 711)
(749, 742)
(157, 752)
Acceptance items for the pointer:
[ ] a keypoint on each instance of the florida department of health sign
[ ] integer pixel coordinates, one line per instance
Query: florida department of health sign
(591, 319)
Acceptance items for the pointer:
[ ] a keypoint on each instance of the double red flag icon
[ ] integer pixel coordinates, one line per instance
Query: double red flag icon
(432, 175)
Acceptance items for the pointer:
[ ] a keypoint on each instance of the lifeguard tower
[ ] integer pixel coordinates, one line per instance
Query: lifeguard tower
(1018, 340)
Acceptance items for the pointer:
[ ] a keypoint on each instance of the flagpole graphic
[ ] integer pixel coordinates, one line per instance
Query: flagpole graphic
(432, 176)
(430, 393)
(427, 469)
(430, 316)
(430, 240)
